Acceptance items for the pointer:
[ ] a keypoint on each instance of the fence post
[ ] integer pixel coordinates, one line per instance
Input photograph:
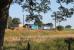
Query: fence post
(69, 41)
(28, 46)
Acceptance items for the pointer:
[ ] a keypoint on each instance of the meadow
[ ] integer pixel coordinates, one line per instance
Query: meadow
(18, 39)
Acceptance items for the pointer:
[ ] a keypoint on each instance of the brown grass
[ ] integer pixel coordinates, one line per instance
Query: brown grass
(27, 34)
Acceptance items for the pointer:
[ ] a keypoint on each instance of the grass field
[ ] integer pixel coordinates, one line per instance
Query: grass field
(18, 34)
(17, 39)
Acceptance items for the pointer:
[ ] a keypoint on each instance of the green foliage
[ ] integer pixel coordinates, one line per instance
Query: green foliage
(36, 19)
(39, 23)
(60, 28)
(68, 27)
(63, 12)
(16, 21)
(65, 1)
(34, 6)
(12, 22)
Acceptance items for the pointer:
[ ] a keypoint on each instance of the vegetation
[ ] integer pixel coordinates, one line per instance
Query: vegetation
(12, 22)
(63, 13)
(32, 6)
(15, 22)
(68, 27)
(60, 28)
(51, 44)
(21, 38)
(4, 7)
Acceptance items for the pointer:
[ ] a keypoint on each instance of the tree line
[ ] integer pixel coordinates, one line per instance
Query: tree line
(14, 22)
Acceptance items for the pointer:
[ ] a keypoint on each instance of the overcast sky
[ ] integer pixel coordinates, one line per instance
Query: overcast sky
(16, 11)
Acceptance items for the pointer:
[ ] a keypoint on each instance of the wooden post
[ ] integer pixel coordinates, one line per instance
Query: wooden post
(69, 41)
(28, 46)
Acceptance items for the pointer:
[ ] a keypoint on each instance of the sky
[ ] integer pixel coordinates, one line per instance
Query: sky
(16, 11)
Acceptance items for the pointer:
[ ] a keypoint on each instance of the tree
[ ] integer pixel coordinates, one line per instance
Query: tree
(57, 16)
(3, 19)
(4, 7)
(34, 6)
(60, 27)
(39, 23)
(15, 21)
(12, 22)
(68, 26)
(63, 13)
(60, 16)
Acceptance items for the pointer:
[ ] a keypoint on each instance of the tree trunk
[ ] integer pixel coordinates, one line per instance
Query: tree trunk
(3, 25)
(4, 7)
(2, 31)
(1, 38)
(55, 21)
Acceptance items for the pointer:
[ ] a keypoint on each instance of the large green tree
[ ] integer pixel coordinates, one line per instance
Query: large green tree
(63, 12)
(4, 11)
(4, 7)
(34, 8)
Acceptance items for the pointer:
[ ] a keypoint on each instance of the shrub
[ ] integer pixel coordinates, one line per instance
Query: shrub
(68, 27)
(60, 28)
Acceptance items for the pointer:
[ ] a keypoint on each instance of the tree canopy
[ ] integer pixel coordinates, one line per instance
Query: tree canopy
(35, 7)
(16, 21)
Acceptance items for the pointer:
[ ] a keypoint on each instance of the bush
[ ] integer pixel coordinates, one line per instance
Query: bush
(60, 28)
(68, 27)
